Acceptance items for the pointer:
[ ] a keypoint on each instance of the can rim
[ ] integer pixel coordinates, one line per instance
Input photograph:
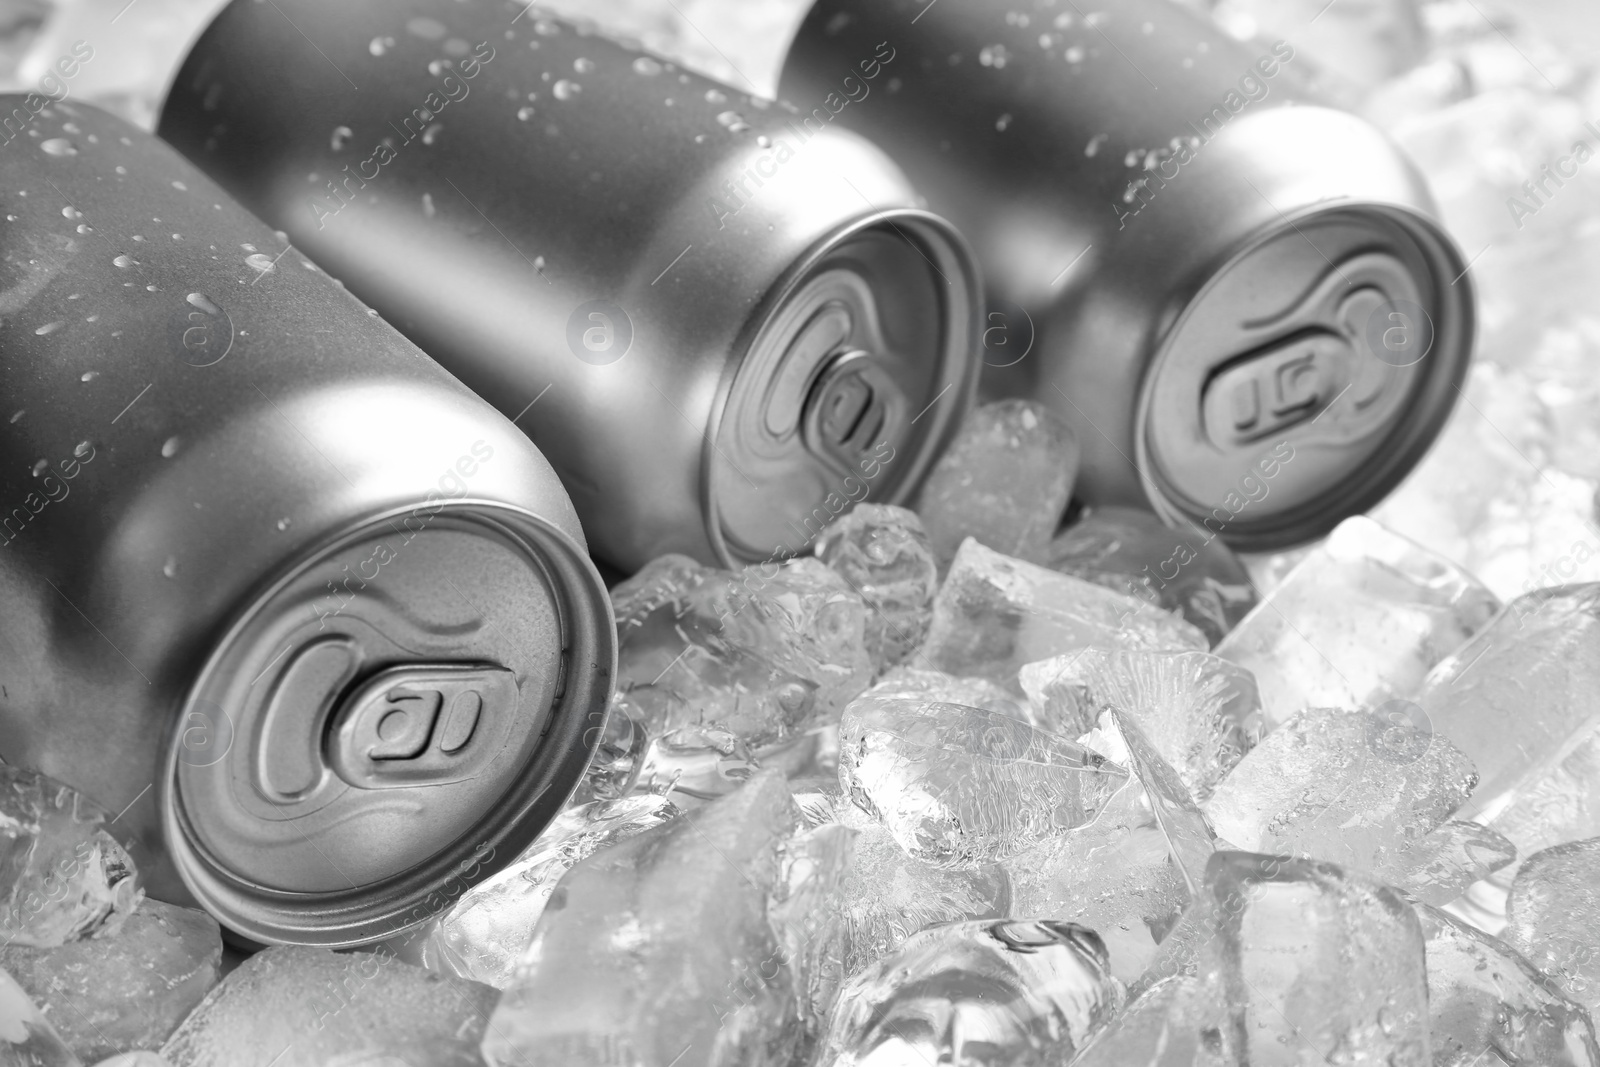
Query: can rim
(391, 907)
(952, 253)
(1409, 439)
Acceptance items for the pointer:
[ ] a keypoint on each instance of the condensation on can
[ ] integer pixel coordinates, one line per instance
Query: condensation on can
(1246, 310)
(317, 621)
(723, 321)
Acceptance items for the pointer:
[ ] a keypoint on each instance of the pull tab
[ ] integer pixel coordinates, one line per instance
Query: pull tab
(1274, 390)
(422, 725)
(853, 407)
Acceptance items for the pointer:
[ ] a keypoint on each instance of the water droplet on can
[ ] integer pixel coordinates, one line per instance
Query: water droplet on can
(204, 303)
(426, 28)
(71, 212)
(566, 90)
(379, 45)
(583, 66)
(340, 135)
(169, 448)
(49, 328)
(58, 146)
(646, 66)
(260, 261)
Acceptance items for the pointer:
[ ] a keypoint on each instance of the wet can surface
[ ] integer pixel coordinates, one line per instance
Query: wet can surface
(732, 324)
(1246, 310)
(313, 617)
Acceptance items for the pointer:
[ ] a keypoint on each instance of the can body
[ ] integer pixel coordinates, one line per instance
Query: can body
(732, 324)
(1245, 309)
(311, 615)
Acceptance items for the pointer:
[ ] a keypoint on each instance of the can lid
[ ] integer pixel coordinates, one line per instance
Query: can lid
(401, 713)
(860, 366)
(1308, 375)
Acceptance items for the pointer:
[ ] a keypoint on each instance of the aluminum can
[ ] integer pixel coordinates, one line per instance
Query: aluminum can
(1246, 310)
(311, 616)
(733, 324)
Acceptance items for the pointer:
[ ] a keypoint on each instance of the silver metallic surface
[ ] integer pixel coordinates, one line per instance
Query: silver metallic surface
(310, 615)
(1190, 272)
(730, 324)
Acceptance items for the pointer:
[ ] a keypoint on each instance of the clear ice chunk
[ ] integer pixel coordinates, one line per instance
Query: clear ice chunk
(62, 876)
(484, 933)
(1553, 915)
(1315, 964)
(1331, 784)
(993, 614)
(695, 763)
(887, 896)
(1021, 994)
(309, 1007)
(646, 950)
(1201, 712)
(1005, 480)
(26, 1037)
(1179, 1021)
(1485, 1000)
(1183, 569)
(921, 684)
(807, 911)
(1189, 836)
(1114, 875)
(1439, 866)
(962, 787)
(124, 991)
(882, 552)
(1519, 700)
(618, 758)
(766, 653)
(1361, 620)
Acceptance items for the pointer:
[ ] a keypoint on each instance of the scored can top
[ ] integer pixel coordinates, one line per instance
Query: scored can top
(1245, 309)
(314, 618)
(732, 317)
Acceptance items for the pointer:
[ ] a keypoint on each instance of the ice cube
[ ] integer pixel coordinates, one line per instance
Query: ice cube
(1183, 569)
(618, 757)
(993, 614)
(660, 948)
(766, 653)
(806, 909)
(1201, 712)
(1553, 915)
(962, 787)
(1360, 621)
(1179, 1021)
(1316, 964)
(483, 934)
(1024, 994)
(1519, 700)
(26, 1037)
(883, 553)
(308, 1007)
(1485, 1000)
(1005, 480)
(949, 689)
(1189, 836)
(1439, 866)
(886, 895)
(1331, 784)
(62, 876)
(124, 991)
(134, 1059)
(695, 763)
(1114, 875)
